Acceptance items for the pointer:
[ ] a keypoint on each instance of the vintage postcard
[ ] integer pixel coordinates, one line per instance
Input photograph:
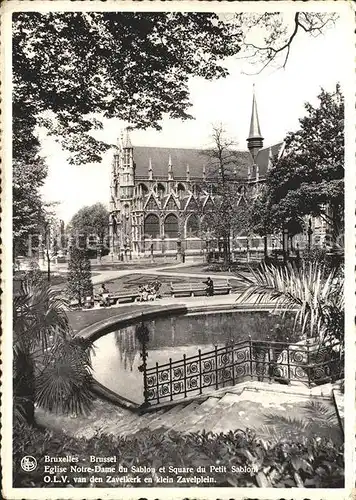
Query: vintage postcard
(178, 199)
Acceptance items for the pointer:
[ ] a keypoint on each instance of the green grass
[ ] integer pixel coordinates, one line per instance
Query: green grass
(119, 266)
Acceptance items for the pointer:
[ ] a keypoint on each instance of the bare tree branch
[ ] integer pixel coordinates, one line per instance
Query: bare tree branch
(279, 35)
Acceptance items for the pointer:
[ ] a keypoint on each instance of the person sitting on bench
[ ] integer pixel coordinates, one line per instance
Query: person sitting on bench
(156, 286)
(209, 287)
(104, 292)
(144, 295)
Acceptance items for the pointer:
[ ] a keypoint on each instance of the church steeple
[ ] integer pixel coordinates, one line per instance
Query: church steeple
(127, 144)
(170, 169)
(255, 139)
(187, 173)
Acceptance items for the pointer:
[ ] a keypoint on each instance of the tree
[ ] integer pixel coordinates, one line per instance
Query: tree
(79, 284)
(50, 242)
(224, 170)
(91, 220)
(72, 69)
(27, 204)
(52, 368)
(308, 178)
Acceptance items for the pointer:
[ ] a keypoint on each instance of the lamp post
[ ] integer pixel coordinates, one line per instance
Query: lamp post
(179, 247)
(142, 334)
(285, 245)
(208, 237)
(151, 249)
(310, 232)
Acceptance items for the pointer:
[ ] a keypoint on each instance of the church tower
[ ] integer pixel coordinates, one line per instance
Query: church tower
(122, 192)
(127, 169)
(255, 139)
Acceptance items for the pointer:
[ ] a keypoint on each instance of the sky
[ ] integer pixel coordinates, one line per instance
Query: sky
(313, 63)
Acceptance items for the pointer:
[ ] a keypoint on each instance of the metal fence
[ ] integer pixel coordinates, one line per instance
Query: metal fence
(310, 364)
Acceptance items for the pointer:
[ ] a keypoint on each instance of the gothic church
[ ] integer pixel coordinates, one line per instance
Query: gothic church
(155, 193)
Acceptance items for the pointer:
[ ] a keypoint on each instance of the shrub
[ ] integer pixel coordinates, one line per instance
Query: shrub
(313, 463)
(79, 284)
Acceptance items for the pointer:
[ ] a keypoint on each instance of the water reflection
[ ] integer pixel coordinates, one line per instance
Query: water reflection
(128, 346)
(117, 354)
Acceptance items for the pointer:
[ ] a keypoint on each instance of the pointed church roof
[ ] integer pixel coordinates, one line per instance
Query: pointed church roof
(255, 131)
(127, 142)
(264, 155)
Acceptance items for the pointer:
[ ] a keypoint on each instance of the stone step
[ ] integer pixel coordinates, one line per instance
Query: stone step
(209, 419)
(230, 397)
(192, 417)
(127, 421)
(150, 419)
(201, 413)
(173, 416)
(210, 402)
(232, 419)
(140, 420)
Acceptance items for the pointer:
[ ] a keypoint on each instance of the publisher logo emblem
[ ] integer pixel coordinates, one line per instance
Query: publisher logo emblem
(28, 463)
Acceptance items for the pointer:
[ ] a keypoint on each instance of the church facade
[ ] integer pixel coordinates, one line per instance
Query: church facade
(160, 196)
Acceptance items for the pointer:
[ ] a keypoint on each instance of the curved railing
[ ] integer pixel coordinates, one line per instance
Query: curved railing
(311, 364)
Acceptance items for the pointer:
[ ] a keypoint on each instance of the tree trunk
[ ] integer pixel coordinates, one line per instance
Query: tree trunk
(226, 252)
(265, 249)
(48, 267)
(24, 385)
(335, 223)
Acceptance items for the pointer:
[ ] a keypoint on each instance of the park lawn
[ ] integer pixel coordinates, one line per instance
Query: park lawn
(206, 269)
(194, 268)
(136, 264)
(59, 281)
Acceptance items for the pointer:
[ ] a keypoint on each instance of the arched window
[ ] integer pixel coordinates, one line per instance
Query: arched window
(152, 226)
(192, 229)
(171, 226)
(160, 189)
(207, 222)
(143, 188)
(180, 188)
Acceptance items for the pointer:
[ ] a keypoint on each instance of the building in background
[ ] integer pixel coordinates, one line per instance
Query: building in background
(160, 196)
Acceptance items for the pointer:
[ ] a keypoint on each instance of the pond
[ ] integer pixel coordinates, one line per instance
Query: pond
(116, 355)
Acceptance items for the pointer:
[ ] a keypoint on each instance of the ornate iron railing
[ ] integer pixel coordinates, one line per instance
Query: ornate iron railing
(310, 364)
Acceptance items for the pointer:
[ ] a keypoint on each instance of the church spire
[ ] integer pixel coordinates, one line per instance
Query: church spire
(255, 139)
(127, 144)
(170, 169)
(150, 172)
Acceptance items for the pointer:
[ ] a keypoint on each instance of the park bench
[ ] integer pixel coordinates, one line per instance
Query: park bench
(119, 297)
(198, 289)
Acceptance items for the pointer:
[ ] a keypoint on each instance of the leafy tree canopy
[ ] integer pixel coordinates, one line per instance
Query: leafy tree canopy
(308, 178)
(27, 205)
(91, 220)
(129, 65)
(71, 69)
